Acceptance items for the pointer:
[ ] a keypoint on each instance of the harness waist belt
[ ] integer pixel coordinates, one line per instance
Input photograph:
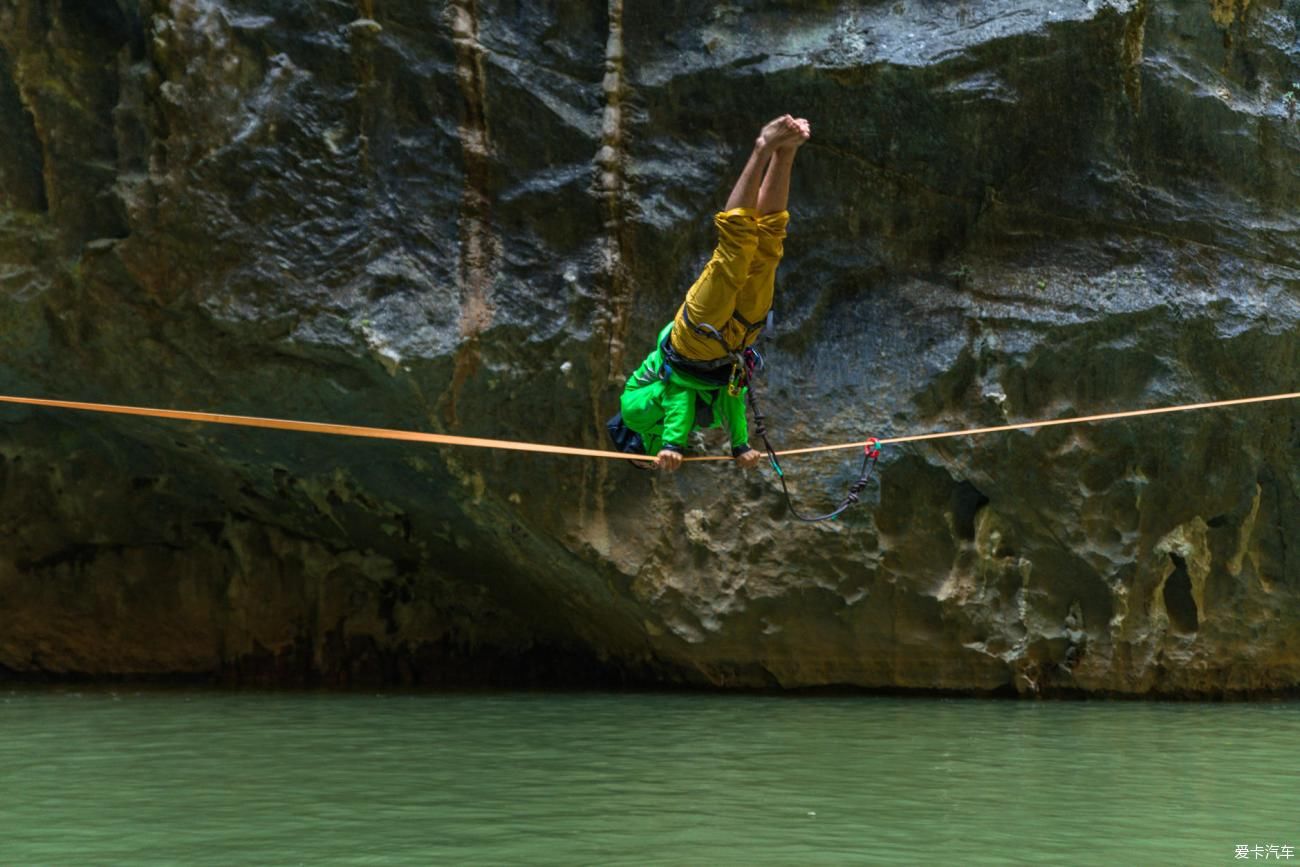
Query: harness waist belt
(715, 370)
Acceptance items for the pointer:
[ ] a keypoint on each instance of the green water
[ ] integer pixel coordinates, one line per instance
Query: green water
(98, 777)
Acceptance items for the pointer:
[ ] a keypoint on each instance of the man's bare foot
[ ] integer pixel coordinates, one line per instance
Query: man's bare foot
(783, 132)
(805, 132)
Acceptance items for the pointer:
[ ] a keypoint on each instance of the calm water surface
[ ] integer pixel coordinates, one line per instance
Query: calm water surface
(163, 777)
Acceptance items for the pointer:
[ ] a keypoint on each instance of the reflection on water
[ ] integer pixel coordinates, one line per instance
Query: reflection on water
(165, 777)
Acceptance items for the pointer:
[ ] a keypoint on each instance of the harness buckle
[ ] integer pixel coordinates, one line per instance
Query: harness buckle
(739, 379)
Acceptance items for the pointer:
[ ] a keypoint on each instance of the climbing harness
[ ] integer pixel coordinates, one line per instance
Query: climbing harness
(741, 360)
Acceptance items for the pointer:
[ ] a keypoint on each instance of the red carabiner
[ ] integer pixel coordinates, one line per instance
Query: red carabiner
(871, 449)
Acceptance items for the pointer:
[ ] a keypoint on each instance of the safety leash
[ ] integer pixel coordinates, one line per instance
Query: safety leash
(744, 363)
(870, 454)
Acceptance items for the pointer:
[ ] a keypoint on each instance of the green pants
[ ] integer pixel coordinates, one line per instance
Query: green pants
(643, 412)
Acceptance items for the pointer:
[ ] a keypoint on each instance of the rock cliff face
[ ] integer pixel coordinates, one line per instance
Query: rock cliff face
(472, 218)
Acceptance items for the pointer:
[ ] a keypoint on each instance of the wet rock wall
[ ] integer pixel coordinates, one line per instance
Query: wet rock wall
(472, 218)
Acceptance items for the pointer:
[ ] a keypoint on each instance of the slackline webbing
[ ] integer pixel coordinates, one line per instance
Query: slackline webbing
(511, 445)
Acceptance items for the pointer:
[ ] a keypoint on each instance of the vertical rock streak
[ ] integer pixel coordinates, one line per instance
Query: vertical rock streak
(1134, 48)
(43, 193)
(23, 181)
(1226, 12)
(610, 185)
(480, 249)
(610, 188)
(364, 58)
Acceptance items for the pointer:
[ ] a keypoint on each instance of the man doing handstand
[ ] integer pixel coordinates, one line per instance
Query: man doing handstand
(690, 379)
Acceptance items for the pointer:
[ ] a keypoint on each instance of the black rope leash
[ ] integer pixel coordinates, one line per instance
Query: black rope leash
(744, 363)
(870, 454)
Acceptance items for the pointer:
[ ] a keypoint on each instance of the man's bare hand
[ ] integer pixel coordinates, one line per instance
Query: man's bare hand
(668, 460)
(748, 460)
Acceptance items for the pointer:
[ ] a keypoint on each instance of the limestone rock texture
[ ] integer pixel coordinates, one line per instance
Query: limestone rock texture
(472, 216)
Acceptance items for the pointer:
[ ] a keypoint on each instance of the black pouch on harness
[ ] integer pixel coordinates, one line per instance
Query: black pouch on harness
(624, 438)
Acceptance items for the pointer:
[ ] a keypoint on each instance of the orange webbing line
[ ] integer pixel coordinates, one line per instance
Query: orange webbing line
(1083, 419)
(320, 427)
(478, 442)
